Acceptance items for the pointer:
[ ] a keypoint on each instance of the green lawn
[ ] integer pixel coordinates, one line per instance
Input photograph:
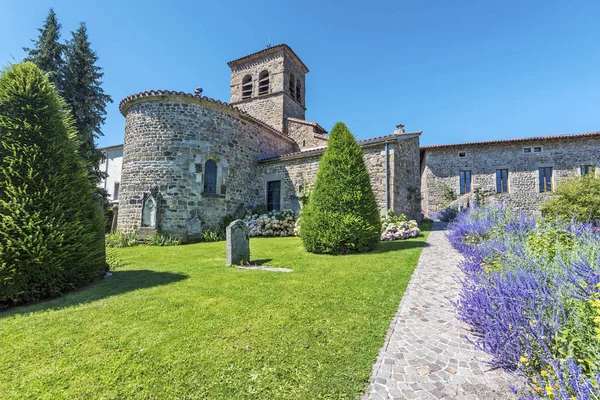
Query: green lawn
(174, 322)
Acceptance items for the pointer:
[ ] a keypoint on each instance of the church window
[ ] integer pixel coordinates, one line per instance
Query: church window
(210, 177)
(274, 195)
(465, 182)
(502, 181)
(263, 83)
(545, 179)
(298, 91)
(116, 191)
(292, 85)
(247, 87)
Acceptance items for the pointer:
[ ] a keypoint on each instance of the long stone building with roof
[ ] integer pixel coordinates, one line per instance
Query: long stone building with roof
(188, 160)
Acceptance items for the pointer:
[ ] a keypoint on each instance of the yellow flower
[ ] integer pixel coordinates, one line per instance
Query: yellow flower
(549, 390)
(538, 389)
(523, 359)
(544, 372)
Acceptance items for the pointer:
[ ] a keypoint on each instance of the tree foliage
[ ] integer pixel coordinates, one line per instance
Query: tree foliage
(342, 215)
(577, 198)
(82, 90)
(51, 236)
(47, 51)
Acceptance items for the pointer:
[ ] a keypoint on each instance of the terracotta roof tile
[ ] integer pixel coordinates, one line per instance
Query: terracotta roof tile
(515, 140)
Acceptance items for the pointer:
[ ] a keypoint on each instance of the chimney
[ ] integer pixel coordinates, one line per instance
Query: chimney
(399, 129)
(198, 91)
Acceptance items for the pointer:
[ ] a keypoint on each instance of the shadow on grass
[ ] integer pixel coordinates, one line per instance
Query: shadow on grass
(260, 262)
(120, 282)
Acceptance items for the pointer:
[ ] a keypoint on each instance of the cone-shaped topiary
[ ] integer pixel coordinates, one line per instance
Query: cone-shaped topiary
(341, 215)
(51, 236)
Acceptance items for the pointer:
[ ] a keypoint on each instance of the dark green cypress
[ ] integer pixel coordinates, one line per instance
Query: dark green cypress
(342, 215)
(82, 90)
(47, 51)
(51, 236)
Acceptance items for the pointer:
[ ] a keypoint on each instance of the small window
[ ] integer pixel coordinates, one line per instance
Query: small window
(545, 179)
(292, 85)
(589, 169)
(274, 195)
(526, 149)
(537, 149)
(465, 182)
(304, 143)
(502, 180)
(462, 154)
(298, 91)
(210, 177)
(116, 191)
(247, 87)
(263, 83)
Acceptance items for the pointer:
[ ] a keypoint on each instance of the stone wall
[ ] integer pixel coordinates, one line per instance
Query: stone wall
(298, 173)
(167, 142)
(304, 133)
(441, 167)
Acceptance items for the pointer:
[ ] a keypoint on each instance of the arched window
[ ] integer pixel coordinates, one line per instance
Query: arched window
(210, 177)
(263, 83)
(292, 85)
(247, 87)
(299, 91)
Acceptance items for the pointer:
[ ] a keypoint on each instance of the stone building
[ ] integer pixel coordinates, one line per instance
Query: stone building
(520, 173)
(188, 161)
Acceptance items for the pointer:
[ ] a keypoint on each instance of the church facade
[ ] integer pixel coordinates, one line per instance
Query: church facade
(189, 160)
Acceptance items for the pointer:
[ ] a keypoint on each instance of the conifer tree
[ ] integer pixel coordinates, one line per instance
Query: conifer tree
(47, 51)
(51, 236)
(341, 215)
(82, 90)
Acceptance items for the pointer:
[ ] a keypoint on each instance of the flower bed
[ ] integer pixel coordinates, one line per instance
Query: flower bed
(271, 224)
(396, 227)
(532, 294)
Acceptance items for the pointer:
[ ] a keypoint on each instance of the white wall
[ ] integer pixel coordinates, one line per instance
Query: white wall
(112, 166)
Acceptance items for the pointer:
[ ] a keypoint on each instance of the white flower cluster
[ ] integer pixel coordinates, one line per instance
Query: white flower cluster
(396, 227)
(272, 224)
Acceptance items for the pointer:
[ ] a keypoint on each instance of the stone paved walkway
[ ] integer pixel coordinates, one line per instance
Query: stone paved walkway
(426, 354)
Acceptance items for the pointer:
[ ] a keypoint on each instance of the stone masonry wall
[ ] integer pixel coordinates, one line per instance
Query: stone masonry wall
(304, 135)
(441, 168)
(407, 179)
(299, 174)
(167, 141)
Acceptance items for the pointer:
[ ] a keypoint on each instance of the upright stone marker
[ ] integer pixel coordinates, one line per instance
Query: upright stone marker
(238, 243)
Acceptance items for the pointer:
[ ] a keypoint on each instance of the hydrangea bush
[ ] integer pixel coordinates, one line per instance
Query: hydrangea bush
(396, 227)
(272, 224)
(531, 293)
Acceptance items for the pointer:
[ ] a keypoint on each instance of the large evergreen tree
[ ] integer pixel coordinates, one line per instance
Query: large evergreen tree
(82, 90)
(51, 236)
(342, 214)
(47, 51)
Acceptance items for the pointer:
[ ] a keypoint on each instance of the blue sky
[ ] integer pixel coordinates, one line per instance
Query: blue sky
(458, 70)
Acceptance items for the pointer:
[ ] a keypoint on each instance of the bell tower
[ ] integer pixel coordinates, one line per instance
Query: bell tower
(270, 85)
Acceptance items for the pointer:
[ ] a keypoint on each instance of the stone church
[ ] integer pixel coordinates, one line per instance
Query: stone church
(189, 160)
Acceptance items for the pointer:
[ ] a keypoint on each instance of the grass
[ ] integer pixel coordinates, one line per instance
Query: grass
(174, 322)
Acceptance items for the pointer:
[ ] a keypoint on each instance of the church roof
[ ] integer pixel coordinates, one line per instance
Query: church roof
(124, 105)
(264, 52)
(320, 150)
(515, 140)
(313, 124)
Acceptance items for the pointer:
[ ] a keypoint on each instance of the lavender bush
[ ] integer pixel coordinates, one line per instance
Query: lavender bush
(531, 292)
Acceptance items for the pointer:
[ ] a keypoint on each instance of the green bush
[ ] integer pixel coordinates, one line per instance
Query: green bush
(119, 239)
(162, 240)
(51, 226)
(342, 215)
(577, 198)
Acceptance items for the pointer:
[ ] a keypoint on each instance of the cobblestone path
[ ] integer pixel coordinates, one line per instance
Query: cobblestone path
(426, 354)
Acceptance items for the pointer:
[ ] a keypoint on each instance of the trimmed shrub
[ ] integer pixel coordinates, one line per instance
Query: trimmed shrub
(577, 198)
(341, 215)
(51, 226)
